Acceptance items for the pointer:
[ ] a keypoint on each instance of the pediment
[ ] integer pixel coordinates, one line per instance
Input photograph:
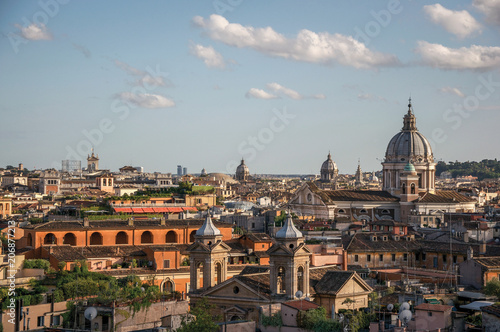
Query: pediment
(227, 290)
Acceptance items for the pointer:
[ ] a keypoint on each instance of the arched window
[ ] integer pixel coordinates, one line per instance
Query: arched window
(199, 275)
(403, 188)
(413, 188)
(96, 239)
(341, 211)
(50, 239)
(30, 240)
(121, 238)
(171, 237)
(363, 211)
(281, 280)
(69, 238)
(147, 237)
(191, 236)
(168, 286)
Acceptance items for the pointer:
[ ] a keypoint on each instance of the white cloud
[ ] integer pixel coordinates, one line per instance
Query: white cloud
(453, 91)
(277, 88)
(319, 96)
(85, 51)
(259, 94)
(34, 32)
(490, 8)
(459, 23)
(370, 97)
(143, 77)
(146, 100)
(307, 46)
(474, 57)
(210, 57)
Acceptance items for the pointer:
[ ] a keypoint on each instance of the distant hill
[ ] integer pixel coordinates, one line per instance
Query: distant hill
(484, 169)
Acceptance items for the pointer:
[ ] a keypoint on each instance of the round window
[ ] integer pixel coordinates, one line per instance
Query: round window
(236, 289)
(309, 197)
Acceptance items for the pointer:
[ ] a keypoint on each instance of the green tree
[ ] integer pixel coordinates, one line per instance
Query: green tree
(203, 321)
(492, 288)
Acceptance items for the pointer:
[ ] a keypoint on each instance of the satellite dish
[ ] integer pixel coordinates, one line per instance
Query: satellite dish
(390, 307)
(405, 316)
(90, 313)
(299, 294)
(341, 318)
(404, 306)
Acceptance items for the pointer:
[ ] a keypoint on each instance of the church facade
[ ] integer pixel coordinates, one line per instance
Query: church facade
(408, 186)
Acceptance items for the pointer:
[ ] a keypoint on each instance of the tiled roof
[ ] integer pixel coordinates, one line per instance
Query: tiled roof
(260, 283)
(433, 307)
(114, 224)
(332, 282)
(488, 262)
(70, 253)
(254, 269)
(330, 196)
(444, 196)
(301, 304)
(259, 237)
(492, 309)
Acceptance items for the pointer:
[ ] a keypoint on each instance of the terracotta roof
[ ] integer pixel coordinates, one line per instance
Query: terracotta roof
(255, 269)
(258, 282)
(444, 196)
(330, 196)
(492, 309)
(71, 253)
(433, 307)
(301, 304)
(488, 262)
(258, 237)
(114, 224)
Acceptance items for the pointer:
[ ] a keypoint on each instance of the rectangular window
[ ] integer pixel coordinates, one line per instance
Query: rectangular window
(455, 259)
(253, 225)
(56, 320)
(381, 257)
(429, 313)
(424, 256)
(382, 227)
(444, 258)
(40, 321)
(417, 256)
(393, 257)
(435, 262)
(356, 258)
(405, 257)
(166, 264)
(369, 258)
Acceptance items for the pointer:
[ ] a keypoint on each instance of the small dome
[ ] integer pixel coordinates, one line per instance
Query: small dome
(409, 167)
(208, 228)
(242, 171)
(328, 164)
(288, 231)
(409, 145)
(203, 172)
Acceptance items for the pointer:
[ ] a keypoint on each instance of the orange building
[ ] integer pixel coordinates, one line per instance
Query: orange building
(5, 207)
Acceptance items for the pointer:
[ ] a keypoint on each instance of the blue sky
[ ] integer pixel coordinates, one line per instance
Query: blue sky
(281, 83)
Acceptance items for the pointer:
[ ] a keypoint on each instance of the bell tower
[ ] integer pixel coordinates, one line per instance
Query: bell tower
(409, 190)
(208, 257)
(289, 261)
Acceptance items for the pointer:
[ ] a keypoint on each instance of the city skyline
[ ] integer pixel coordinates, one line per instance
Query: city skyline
(161, 84)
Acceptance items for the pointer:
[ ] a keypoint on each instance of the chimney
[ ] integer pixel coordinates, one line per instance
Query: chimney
(466, 237)
(181, 216)
(344, 260)
(482, 248)
(131, 221)
(470, 253)
(86, 222)
(162, 221)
